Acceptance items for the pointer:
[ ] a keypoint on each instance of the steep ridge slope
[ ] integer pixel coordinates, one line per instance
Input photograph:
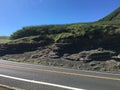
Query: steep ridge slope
(113, 18)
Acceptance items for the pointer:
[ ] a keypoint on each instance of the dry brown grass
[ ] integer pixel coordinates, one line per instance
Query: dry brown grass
(4, 88)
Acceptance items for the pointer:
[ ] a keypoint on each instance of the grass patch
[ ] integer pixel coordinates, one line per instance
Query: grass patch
(4, 39)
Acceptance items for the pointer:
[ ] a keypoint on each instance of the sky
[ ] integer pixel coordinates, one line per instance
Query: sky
(15, 14)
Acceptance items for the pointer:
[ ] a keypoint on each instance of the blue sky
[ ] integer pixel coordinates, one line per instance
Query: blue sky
(15, 14)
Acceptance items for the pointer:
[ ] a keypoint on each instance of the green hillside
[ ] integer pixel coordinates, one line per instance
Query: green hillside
(106, 28)
(113, 18)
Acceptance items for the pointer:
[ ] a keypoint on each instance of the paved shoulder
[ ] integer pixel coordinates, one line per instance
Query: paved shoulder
(56, 78)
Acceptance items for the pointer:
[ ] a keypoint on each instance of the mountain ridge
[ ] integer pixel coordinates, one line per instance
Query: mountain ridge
(112, 18)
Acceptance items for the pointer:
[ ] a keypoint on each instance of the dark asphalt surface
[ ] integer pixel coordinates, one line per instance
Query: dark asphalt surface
(87, 80)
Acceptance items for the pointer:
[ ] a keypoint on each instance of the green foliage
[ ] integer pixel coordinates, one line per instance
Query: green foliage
(63, 36)
(38, 30)
(106, 27)
(31, 39)
(62, 32)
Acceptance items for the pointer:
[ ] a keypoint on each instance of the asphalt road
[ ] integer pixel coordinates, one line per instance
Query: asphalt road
(38, 77)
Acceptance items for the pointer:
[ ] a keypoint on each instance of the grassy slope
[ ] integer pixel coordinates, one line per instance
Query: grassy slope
(113, 18)
(4, 39)
(115, 15)
(108, 26)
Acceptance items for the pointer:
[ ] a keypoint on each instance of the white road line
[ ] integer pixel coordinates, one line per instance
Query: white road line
(39, 82)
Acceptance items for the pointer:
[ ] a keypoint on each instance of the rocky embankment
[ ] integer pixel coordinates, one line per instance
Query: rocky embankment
(16, 48)
(62, 54)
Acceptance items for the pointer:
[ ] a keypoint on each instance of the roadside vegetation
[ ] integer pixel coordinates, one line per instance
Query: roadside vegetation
(104, 28)
(63, 33)
(4, 39)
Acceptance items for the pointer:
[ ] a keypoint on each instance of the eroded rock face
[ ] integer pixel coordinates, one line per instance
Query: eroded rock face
(49, 51)
(90, 55)
(95, 59)
(20, 48)
(56, 51)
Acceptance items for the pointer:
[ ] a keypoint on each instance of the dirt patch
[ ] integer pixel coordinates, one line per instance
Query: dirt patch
(4, 88)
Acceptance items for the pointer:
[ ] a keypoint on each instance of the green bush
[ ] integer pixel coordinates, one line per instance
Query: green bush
(62, 32)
